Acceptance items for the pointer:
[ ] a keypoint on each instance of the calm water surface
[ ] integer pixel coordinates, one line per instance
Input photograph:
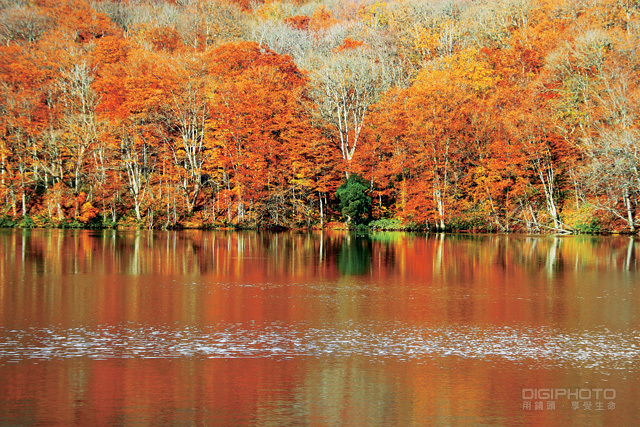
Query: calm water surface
(390, 329)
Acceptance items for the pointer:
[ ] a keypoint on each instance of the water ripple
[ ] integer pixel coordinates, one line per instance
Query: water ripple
(595, 349)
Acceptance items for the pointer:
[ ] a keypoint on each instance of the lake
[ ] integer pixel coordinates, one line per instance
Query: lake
(249, 328)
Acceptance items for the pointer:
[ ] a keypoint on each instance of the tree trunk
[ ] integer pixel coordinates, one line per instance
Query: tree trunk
(440, 205)
(630, 212)
(321, 212)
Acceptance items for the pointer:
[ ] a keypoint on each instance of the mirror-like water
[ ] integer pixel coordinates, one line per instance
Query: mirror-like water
(245, 328)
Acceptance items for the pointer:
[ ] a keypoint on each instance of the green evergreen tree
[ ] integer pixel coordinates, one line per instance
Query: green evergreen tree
(355, 203)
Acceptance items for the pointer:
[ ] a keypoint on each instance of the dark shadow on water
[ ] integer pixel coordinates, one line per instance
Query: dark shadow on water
(354, 256)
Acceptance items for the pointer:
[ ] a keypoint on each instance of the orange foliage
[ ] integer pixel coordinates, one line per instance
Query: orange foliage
(79, 19)
(163, 38)
(299, 22)
(349, 44)
(322, 19)
(508, 119)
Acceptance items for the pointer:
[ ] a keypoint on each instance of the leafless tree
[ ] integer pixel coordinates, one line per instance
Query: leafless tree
(614, 174)
(21, 23)
(344, 89)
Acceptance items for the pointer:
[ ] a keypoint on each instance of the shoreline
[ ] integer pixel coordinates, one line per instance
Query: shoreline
(357, 230)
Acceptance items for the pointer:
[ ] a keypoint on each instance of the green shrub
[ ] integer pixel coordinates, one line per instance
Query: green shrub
(7, 222)
(387, 224)
(26, 222)
(592, 227)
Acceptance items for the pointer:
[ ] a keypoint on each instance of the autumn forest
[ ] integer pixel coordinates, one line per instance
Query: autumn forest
(469, 115)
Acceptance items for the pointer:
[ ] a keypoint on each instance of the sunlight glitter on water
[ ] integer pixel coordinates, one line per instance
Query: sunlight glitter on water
(543, 346)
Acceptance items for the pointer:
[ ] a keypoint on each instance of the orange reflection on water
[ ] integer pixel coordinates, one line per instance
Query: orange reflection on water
(194, 277)
(352, 391)
(341, 308)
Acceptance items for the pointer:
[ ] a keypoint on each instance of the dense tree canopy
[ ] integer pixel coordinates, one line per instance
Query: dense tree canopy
(507, 115)
(355, 202)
